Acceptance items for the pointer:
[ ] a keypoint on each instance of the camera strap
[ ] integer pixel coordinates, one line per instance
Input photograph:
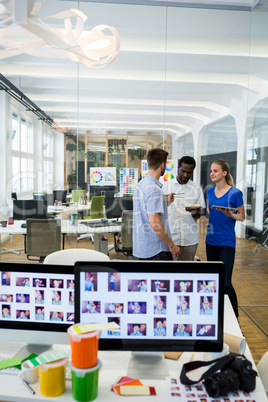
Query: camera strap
(218, 364)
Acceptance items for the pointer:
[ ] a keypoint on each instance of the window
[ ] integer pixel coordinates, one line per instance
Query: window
(48, 160)
(22, 161)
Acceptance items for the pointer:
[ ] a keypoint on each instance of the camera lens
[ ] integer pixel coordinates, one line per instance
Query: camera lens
(221, 383)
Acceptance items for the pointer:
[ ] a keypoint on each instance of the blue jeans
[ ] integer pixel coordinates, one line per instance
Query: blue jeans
(227, 256)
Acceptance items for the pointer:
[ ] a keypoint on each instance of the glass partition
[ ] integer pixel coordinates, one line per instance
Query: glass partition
(184, 80)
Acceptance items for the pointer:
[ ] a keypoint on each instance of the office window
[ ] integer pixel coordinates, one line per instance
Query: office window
(185, 145)
(48, 160)
(22, 158)
(15, 135)
(220, 137)
(48, 144)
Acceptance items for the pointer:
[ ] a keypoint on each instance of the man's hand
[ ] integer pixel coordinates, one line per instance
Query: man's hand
(170, 198)
(175, 250)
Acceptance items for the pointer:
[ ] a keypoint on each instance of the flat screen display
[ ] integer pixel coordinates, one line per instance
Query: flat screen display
(36, 297)
(35, 209)
(159, 305)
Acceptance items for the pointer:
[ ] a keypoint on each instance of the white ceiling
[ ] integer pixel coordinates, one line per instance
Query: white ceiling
(178, 69)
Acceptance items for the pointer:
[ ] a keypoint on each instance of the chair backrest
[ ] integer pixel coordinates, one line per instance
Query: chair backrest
(126, 202)
(262, 368)
(72, 255)
(76, 194)
(96, 207)
(112, 207)
(43, 237)
(126, 232)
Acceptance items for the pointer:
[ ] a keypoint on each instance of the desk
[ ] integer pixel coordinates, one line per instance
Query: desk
(114, 364)
(66, 210)
(67, 228)
(98, 232)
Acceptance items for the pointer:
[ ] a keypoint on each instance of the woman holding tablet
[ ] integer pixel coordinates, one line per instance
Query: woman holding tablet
(225, 207)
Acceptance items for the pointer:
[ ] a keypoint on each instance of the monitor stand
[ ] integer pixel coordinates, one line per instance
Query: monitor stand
(151, 365)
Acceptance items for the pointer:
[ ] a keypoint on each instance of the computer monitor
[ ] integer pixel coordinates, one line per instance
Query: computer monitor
(114, 206)
(35, 209)
(37, 304)
(159, 305)
(60, 195)
(102, 190)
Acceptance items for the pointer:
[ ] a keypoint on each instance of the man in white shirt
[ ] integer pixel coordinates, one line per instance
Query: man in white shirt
(186, 209)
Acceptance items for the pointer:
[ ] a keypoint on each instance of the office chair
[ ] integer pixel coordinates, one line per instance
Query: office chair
(125, 246)
(96, 212)
(112, 207)
(72, 255)
(11, 249)
(262, 370)
(43, 237)
(76, 194)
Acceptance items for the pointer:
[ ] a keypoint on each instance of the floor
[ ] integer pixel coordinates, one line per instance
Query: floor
(250, 279)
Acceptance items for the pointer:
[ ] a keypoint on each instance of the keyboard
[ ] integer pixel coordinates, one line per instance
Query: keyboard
(16, 371)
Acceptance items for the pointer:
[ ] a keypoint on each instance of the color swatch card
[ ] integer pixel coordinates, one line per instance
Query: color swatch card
(170, 172)
(103, 176)
(128, 180)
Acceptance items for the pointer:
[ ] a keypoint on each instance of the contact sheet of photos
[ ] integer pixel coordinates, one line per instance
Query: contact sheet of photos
(151, 305)
(37, 298)
(197, 393)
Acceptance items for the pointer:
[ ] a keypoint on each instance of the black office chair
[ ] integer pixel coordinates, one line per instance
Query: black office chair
(125, 246)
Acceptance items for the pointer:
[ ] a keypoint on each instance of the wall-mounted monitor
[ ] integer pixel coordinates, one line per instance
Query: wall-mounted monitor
(159, 305)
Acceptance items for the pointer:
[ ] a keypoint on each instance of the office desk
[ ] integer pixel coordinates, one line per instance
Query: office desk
(68, 228)
(66, 210)
(97, 232)
(114, 364)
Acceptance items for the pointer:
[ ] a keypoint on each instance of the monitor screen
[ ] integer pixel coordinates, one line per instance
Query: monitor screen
(23, 209)
(37, 302)
(108, 191)
(60, 195)
(159, 305)
(114, 206)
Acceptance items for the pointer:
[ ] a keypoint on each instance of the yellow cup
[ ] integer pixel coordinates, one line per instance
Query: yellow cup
(52, 377)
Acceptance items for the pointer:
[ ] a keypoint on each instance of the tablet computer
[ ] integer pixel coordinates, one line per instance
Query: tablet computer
(231, 209)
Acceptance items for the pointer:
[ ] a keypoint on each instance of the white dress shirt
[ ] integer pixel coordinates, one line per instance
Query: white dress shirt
(183, 228)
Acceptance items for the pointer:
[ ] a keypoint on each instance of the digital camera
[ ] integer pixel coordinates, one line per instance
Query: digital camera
(238, 374)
